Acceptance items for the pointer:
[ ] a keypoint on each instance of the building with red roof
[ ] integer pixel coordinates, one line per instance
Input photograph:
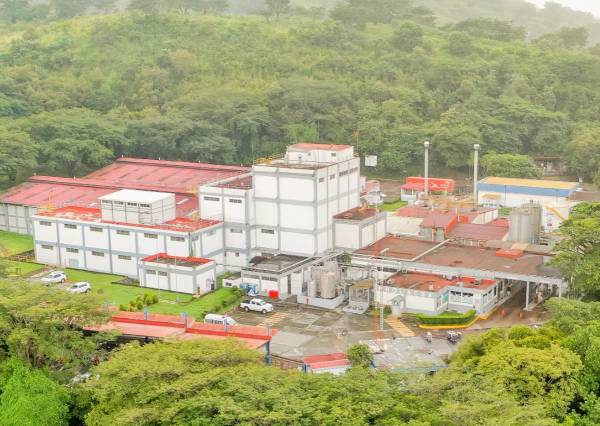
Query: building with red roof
(20, 203)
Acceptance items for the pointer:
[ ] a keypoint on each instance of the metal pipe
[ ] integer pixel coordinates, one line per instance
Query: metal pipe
(475, 175)
(426, 145)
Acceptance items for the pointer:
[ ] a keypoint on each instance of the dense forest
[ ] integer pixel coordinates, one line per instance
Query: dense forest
(173, 81)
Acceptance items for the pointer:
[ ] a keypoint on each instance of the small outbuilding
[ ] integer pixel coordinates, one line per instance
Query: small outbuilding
(190, 275)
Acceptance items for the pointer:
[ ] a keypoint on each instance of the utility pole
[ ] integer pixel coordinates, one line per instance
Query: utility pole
(475, 175)
(426, 145)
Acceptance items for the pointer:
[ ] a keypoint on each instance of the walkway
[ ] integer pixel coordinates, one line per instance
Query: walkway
(399, 327)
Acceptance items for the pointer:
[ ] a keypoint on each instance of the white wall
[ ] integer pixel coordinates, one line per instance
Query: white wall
(148, 246)
(347, 235)
(97, 263)
(403, 225)
(293, 242)
(96, 239)
(297, 217)
(266, 213)
(124, 266)
(70, 259)
(46, 255)
(45, 233)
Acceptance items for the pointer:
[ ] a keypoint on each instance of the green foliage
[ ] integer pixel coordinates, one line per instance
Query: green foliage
(447, 318)
(578, 254)
(509, 165)
(29, 397)
(584, 154)
(360, 355)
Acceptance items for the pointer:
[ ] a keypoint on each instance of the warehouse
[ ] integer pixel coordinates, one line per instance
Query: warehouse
(43, 193)
(358, 227)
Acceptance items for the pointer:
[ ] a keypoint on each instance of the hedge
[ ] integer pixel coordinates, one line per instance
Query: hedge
(448, 318)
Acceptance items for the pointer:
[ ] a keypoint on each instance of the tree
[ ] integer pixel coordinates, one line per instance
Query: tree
(41, 327)
(75, 157)
(566, 38)
(278, 7)
(509, 165)
(578, 254)
(14, 10)
(360, 355)
(359, 13)
(17, 155)
(147, 6)
(65, 9)
(407, 37)
(583, 154)
(492, 28)
(29, 397)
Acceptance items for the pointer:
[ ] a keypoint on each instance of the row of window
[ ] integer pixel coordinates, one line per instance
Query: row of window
(153, 272)
(119, 231)
(231, 200)
(121, 203)
(94, 253)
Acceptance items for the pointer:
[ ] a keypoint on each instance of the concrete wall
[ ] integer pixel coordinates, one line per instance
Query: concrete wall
(179, 279)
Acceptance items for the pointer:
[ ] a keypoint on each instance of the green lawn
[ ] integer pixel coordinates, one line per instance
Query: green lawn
(11, 243)
(22, 268)
(393, 206)
(169, 303)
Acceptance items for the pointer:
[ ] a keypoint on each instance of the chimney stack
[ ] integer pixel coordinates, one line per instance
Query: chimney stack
(475, 175)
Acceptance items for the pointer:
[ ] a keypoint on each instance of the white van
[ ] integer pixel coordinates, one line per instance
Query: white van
(219, 319)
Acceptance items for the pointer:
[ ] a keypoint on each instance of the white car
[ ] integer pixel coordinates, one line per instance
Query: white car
(81, 287)
(257, 305)
(55, 277)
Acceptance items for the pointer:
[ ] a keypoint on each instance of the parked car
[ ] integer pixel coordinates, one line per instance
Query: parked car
(81, 287)
(55, 277)
(219, 319)
(257, 305)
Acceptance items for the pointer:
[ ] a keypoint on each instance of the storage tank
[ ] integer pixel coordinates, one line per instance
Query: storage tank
(525, 224)
(328, 285)
(311, 290)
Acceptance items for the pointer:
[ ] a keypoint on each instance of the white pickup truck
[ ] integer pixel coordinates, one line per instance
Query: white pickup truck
(257, 305)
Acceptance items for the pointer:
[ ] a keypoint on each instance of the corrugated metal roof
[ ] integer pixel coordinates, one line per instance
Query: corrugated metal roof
(532, 183)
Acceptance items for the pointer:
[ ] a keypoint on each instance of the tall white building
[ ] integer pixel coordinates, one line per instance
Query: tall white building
(295, 198)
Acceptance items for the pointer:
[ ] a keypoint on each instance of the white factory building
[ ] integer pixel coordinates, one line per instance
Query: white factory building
(283, 206)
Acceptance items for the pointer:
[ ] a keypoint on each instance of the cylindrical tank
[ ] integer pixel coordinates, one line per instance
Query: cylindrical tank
(328, 284)
(525, 224)
(311, 290)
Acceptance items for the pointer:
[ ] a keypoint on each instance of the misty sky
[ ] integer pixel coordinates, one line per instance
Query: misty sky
(592, 6)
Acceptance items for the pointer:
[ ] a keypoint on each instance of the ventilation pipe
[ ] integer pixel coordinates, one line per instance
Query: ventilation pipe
(426, 145)
(475, 175)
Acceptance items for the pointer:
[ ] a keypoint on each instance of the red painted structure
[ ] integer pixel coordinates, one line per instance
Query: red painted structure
(417, 183)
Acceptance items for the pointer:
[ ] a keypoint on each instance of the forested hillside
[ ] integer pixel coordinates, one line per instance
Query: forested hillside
(74, 94)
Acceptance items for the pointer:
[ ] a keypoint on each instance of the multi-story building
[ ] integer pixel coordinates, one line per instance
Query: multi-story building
(89, 238)
(296, 197)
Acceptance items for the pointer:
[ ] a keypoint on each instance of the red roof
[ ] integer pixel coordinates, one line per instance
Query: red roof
(357, 213)
(176, 259)
(418, 281)
(86, 214)
(417, 183)
(180, 178)
(308, 146)
(486, 232)
(316, 362)
(413, 211)
(440, 220)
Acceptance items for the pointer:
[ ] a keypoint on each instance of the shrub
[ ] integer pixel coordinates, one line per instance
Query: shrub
(154, 299)
(448, 318)
(140, 305)
(123, 307)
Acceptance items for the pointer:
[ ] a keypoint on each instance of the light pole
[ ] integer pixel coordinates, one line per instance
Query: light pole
(475, 175)
(426, 146)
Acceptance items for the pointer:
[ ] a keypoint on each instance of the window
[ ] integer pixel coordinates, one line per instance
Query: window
(45, 223)
(96, 229)
(211, 233)
(344, 173)
(235, 201)
(269, 279)
(334, 154)
(72, 250)
(354, 170)
(107, 202)
(332, 177)
(145, 205)
(121, 257)
(69, 226)
(118, 203)
(321, 180)
(268, 231)
(212, 199)
(151, 236)
(97, 253)
(237, 254)
(195, 237)
(132, 204)
(121, 232)
(162, 274)
(236, 231)
(179, 239)
(47, 247)
(150, 272)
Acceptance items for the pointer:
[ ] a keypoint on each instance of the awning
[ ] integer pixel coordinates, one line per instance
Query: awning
(492, 196)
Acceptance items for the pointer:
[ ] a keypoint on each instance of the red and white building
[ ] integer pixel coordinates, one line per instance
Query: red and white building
(191, 275)
(414, 187)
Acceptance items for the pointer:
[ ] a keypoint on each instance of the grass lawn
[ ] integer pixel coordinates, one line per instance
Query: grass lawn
(393, 206)
(169, 303)
(14, 243)
(22, 268)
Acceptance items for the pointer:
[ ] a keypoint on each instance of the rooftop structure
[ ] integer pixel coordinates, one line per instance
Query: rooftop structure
(85, 214)
(312, 146)
(277, 263)
(165, 259)
(356, 213)
(413, 211)
(417, 183)
(130, 195)
(417, 281)
(496, 230)
(245, 182)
